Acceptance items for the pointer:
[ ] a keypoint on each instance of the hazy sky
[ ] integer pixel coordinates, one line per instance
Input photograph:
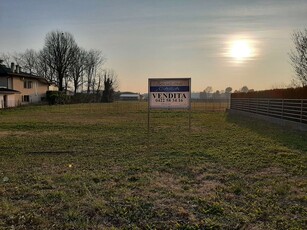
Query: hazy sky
(168, 38)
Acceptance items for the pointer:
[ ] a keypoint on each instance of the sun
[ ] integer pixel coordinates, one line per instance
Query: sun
(241, 50)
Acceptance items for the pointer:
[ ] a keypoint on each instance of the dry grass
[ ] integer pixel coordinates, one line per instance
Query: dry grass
(92, 167)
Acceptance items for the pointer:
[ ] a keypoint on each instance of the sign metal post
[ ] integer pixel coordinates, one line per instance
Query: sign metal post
(169, 93)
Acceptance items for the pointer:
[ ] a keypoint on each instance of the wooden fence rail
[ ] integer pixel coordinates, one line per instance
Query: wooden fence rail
(286, 109)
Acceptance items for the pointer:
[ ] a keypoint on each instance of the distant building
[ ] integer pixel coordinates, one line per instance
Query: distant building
(195, 96)
(18, 88)
(129, 97)
(53, 87)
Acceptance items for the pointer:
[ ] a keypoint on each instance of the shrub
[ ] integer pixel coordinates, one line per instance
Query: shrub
(56, 97)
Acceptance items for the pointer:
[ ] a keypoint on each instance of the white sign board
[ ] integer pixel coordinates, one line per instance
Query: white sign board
(169, 93)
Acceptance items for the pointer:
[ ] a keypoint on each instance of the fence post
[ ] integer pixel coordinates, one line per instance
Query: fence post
(268, 110)
(282, 109)
(301, 111)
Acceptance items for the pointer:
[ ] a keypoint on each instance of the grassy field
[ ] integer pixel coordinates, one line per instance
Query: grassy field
(94, 167)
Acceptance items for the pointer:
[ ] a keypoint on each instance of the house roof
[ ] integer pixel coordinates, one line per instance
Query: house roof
(8, 91)
(5, 71)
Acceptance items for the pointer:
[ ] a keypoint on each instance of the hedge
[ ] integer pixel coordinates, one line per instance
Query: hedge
(289, 93)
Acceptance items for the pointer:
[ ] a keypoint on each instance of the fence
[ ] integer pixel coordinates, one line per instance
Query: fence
(208, 105)
(286, 109)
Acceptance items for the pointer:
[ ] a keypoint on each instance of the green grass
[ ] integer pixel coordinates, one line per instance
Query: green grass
(94, 167)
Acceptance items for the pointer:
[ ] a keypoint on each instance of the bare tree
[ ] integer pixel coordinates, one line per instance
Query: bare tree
(205, 94)
(209, 89)
(6, 58)
(77, 69)
(42, 68)
(58, 53)
(17, 58)
(298, 56)
(61, 61)
(97, 83)
(94, 59)
(28, 60)
(110, 84)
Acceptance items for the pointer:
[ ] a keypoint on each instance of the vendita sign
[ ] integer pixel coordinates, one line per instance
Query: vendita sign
(169, 93)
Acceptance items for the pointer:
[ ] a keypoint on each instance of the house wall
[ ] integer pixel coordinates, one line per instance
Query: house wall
(10, 101)
(35, 93)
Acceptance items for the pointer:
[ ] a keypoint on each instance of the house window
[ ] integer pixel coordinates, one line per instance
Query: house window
(25, 98)
(27, 84)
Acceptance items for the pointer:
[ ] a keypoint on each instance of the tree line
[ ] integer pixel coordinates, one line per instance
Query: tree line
(208, 92)
(69, 66)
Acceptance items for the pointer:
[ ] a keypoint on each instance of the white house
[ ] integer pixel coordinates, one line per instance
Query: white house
(18, 88)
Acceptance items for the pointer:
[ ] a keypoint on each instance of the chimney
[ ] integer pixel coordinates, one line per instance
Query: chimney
(17, 69)
(12, 67)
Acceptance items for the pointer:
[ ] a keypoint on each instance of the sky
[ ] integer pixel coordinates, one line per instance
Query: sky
(216, 43)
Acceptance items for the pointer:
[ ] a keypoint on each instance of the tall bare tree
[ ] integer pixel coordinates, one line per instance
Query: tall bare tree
(6, 58)
(77, 69)
(28, 60)
(110, 84)
(42, 68)
(97, 84)
(298, 56)
(94, 59)
(17, 58)
(58, 53)
(61, 61)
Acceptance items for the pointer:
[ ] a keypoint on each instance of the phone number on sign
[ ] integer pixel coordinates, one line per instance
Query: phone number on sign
(168, 100)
